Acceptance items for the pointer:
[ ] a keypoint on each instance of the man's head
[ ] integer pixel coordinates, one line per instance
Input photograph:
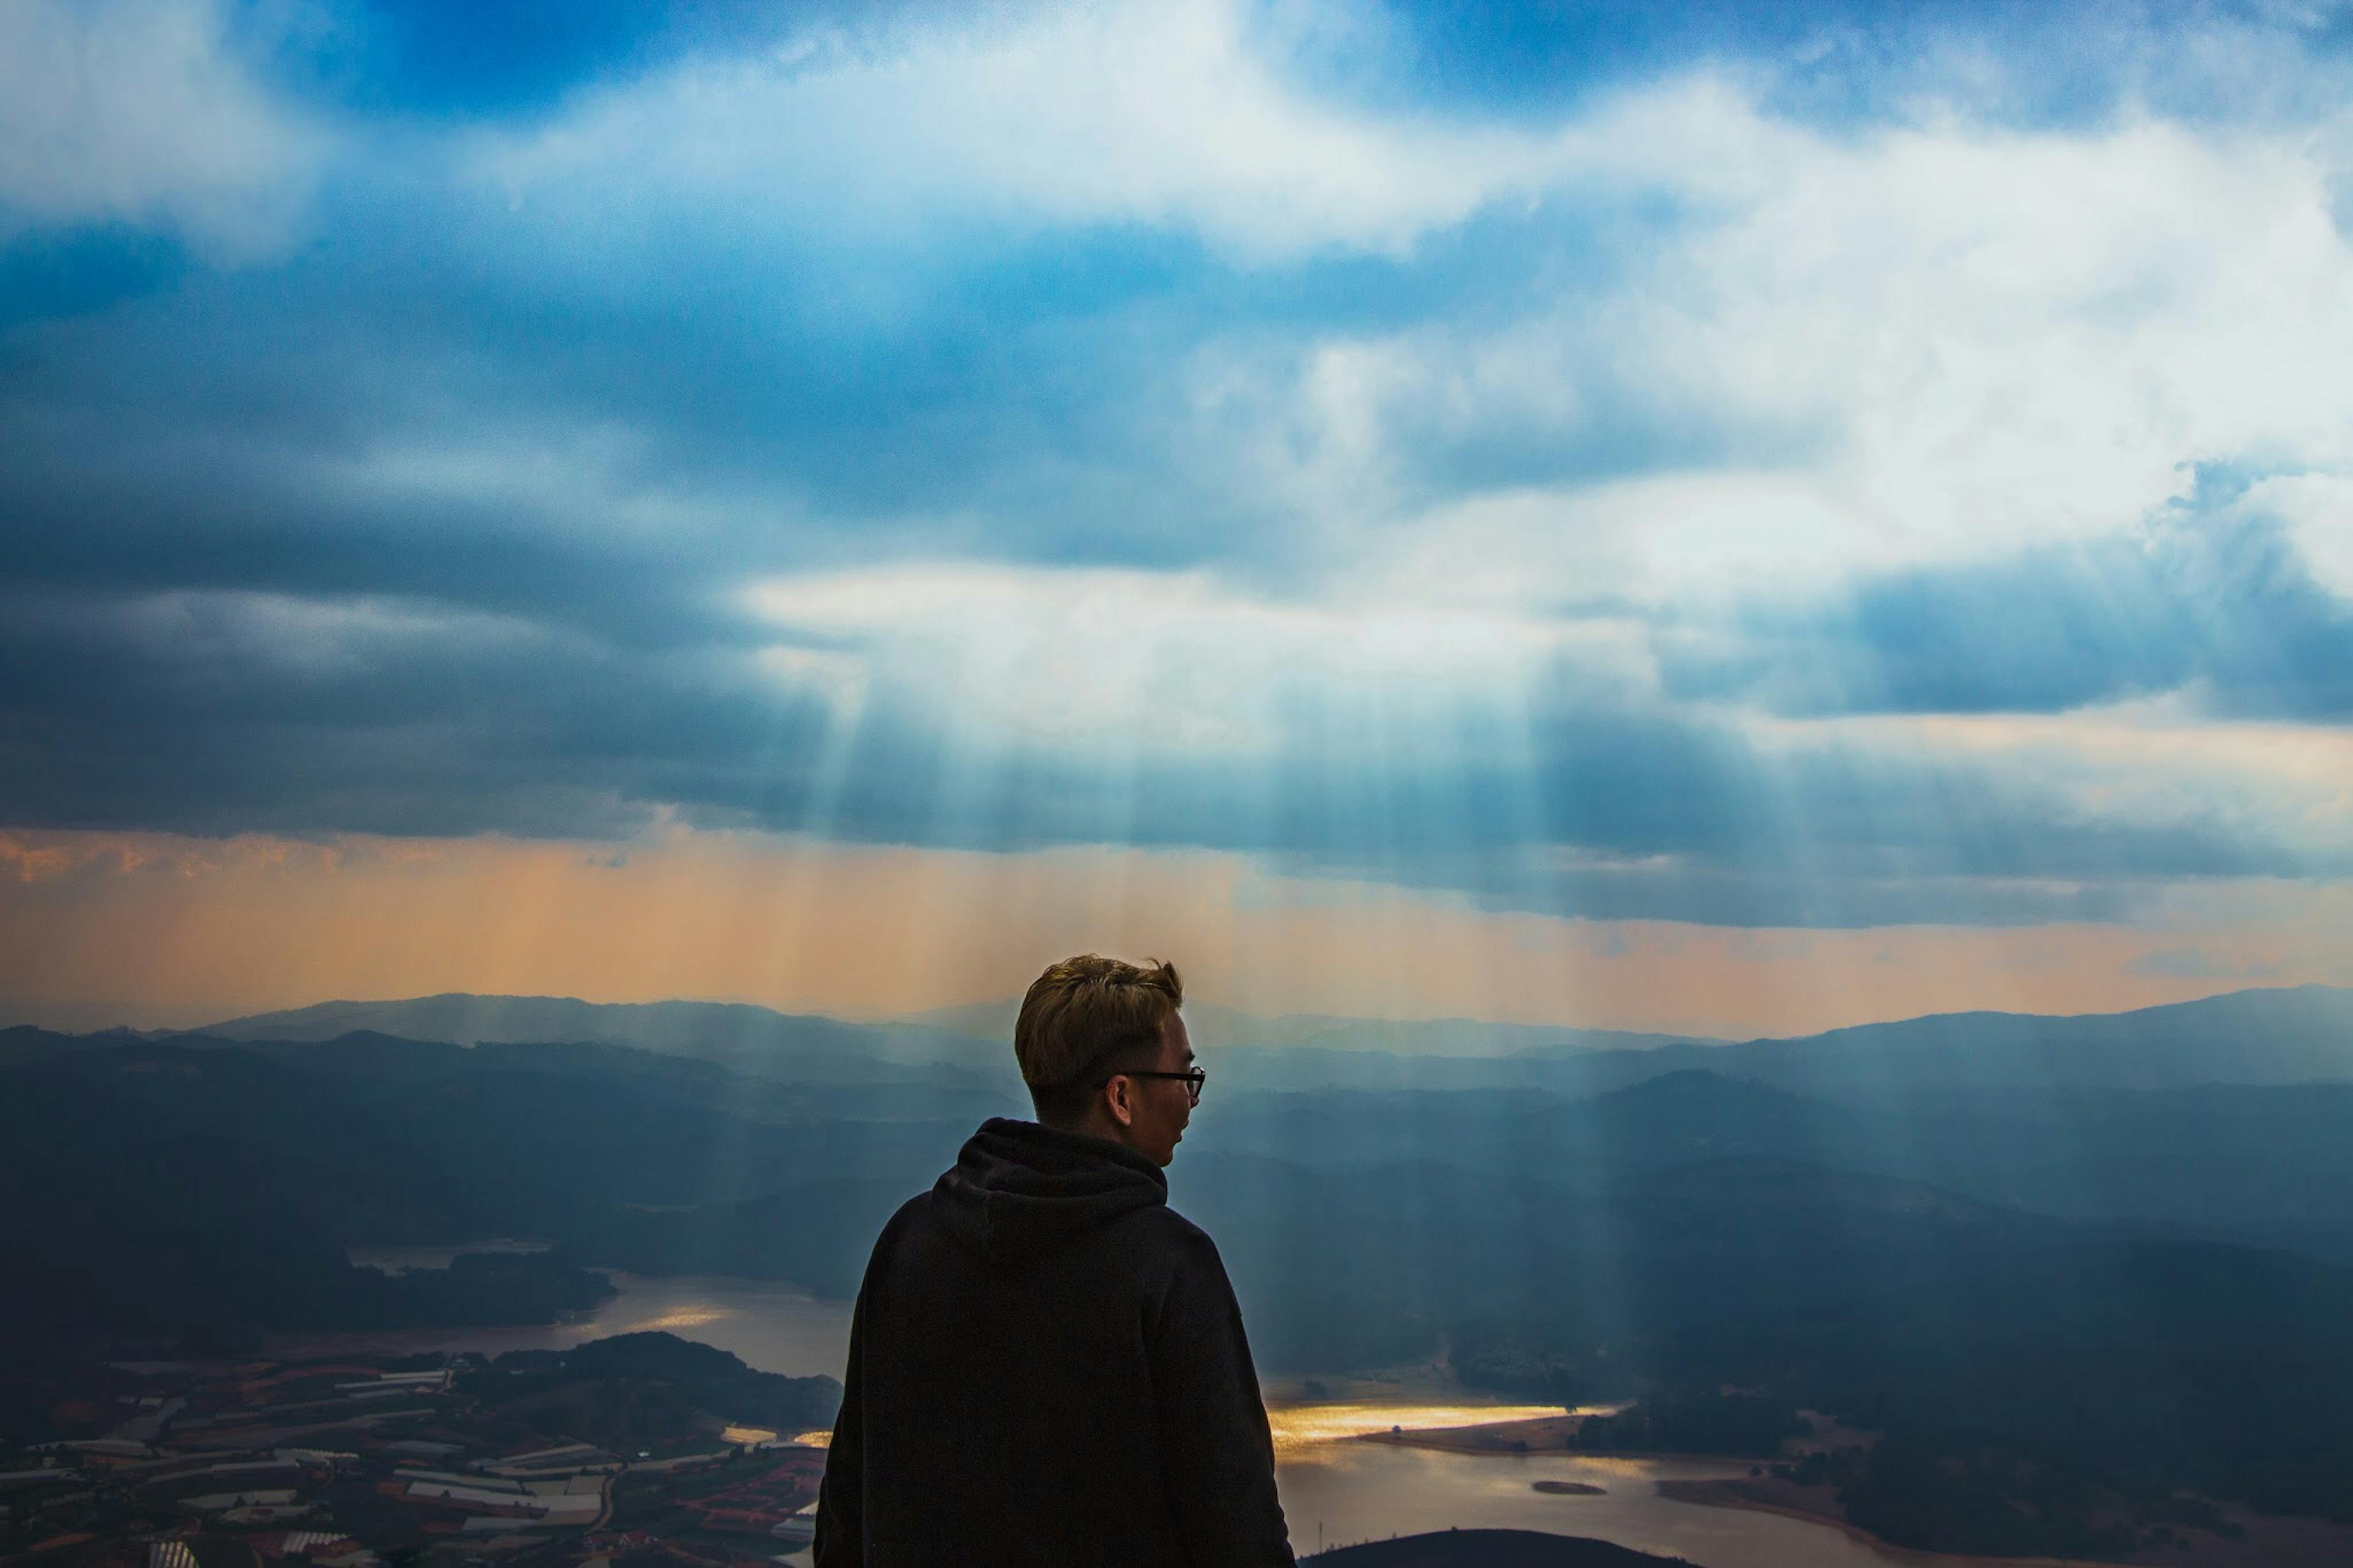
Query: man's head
(1102, 1048)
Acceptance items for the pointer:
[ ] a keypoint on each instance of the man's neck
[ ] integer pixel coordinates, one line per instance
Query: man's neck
(1101, 1127)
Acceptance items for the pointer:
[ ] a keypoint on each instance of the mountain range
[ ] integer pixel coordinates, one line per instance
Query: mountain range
(2286, 1034)
(2122, 1242)
(741, 1036)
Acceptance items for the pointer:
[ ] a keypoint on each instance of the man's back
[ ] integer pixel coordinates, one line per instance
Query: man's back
(1048, 1366)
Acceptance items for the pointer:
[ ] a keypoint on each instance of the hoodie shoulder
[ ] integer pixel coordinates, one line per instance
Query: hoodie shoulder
(913, 1217)
(914, 1211)
(1192, 1293)
(1192, 1244)
(1179, 1225)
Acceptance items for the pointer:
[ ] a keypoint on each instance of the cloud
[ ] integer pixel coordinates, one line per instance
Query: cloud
(2218, 602)
(2317, 509)
(998, 711)
(1899, 346)
(140, 112)
(1142, 112)
(1135, 661)
(1844, 61)
(1045, 427)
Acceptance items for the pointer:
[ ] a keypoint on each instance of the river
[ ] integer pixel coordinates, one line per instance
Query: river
(1345, 1492)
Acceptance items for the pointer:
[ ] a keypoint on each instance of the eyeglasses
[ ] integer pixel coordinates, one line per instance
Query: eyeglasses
(1193, 1080)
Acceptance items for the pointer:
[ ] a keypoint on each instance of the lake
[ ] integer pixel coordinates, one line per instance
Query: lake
(1342, 1492)
(1351, 1491)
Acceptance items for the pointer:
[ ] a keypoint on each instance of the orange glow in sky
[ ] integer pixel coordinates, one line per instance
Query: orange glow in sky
(156, 930)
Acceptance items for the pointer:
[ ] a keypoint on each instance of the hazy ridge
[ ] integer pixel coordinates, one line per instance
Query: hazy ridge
(2284, 1035)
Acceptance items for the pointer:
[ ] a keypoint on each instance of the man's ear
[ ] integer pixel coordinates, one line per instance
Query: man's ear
(1115, 1096)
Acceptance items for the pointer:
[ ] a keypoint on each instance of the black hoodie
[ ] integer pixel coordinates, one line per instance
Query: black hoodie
(1046, 1366)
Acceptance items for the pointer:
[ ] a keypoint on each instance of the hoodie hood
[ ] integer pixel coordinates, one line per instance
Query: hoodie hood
(1019, 1189)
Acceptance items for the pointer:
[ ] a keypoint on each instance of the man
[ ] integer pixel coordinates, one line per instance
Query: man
(1047, 1364)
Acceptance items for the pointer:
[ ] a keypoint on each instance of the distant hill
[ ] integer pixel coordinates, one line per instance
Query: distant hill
(2298, 1034)
(23, 1043)
(738, 1035)
(2289, 1034)
(1489, 1549)
(586, 1389)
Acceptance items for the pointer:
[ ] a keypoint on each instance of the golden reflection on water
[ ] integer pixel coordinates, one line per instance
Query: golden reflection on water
(691, 1315)
(747, 1435)
(1300, 1426)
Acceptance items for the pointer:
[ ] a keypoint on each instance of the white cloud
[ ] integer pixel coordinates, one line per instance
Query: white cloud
(2020, 336)
(137, 111)
(1925, 344)
(1153, 111)
(1866, 349)
(1107, 660)
(1118, 667)
(2318, 511)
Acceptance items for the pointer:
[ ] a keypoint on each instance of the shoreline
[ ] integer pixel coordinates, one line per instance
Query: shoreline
(1544, 1437)
(1538, 1433)
(1492, 1440)
(2270, 1540)
(1703, 1495)
(2289, 1543)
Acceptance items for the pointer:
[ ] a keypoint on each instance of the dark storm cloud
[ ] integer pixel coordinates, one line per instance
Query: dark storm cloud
(2208, 599)
(218, 715)
(1008, 412)
(314, 716)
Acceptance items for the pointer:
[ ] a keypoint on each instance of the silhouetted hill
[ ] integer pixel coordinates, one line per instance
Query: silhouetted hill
(1489, 1549)
(584, 1388)
(22, 1043)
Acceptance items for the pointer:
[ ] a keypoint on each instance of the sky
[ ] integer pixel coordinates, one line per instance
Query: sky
(1739, 520)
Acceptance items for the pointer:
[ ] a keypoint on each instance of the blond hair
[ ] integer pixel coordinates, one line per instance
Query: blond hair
(1083, 1012)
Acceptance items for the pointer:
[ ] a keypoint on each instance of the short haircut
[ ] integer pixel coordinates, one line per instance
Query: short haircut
(1085, 1018)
